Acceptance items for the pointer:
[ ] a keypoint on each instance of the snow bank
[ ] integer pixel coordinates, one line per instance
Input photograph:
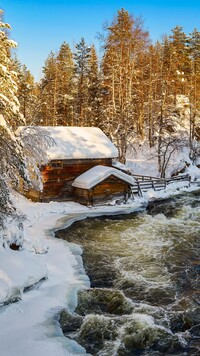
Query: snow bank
(11, 232)
(27, 326)
(18, 271)
(194, 172)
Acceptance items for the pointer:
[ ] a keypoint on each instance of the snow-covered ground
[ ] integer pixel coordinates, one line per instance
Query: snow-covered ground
(30, 326)
(143, 160)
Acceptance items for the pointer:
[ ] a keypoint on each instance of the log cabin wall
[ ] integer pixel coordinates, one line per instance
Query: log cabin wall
(110, 188)
(59, 174)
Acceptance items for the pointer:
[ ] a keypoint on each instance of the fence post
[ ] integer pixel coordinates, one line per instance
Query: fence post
(153, 186)
(139, 189)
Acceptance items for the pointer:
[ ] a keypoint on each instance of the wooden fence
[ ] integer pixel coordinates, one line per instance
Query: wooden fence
(144, 183)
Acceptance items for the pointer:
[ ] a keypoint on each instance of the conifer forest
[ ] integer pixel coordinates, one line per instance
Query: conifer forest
(133, 89)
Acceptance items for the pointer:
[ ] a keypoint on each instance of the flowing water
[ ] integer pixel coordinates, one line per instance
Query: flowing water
(145, 282)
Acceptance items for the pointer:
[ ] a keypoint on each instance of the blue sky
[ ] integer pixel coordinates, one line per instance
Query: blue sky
(41, 26)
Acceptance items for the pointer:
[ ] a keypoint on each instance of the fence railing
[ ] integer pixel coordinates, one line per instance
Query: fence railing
(144, 183)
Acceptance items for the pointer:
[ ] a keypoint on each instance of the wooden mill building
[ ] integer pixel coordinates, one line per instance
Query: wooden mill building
(80, 168)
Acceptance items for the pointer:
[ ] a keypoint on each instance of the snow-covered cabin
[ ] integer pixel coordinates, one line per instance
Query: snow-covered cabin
(81, 154)
(100, 184)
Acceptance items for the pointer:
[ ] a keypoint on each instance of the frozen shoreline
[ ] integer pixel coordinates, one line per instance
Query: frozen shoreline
(29, 326)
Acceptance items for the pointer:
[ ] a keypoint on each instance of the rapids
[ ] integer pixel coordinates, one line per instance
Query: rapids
(144, 271)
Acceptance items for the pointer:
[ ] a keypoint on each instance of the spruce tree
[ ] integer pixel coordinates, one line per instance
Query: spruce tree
(12, 161)
(9, 104)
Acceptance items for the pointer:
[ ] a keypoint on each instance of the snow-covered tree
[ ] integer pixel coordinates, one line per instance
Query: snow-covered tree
(26, 93)
(13, 149)
(12, 165)
(35, 141)
(11, 158)
(9, 104)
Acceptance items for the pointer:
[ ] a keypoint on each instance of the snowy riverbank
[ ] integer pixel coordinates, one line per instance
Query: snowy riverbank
(29, 327)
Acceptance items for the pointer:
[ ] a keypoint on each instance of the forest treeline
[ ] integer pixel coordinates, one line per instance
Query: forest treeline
(135, 90)
(130, 92)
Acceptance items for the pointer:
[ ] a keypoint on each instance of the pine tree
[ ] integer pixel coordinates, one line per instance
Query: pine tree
(56, 89)
(81, 57)
(49, 93)
(94, 90)
(180, 61)
(65, 86)
(194, 48)
(168, 126)
(122, 70)
(152, 84)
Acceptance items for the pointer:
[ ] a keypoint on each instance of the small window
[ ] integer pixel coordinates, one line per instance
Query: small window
(57, 164)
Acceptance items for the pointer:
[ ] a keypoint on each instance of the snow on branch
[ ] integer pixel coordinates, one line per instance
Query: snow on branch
(35, 142)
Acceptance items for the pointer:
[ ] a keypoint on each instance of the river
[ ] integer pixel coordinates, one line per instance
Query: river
(144, 271)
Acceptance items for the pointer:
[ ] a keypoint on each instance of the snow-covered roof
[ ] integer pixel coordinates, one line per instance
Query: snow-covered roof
(121, 166)
(79, 142)
(97, 174)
